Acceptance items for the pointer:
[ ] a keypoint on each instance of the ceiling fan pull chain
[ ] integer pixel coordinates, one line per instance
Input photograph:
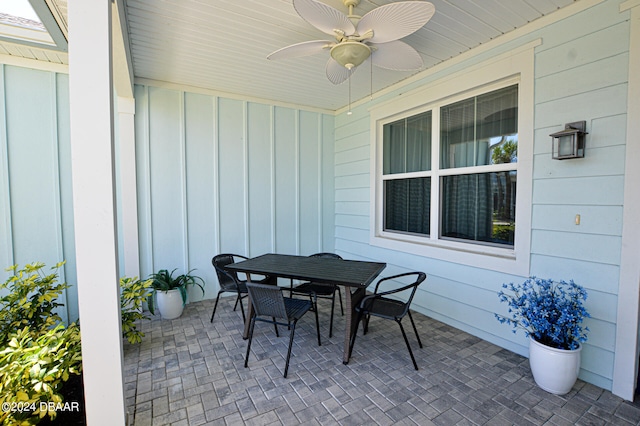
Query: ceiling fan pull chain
(349, 112)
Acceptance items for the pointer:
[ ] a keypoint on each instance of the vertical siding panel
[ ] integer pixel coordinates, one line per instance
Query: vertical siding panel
(231, 165)
(327, 153)
(55, 180)
(199, 135)
(309, 186)
(260, 156)
(66, 194)
(286, 232)
(143, 180)
(6, 251)
(32, 150)
(183, 183)
(166, 179)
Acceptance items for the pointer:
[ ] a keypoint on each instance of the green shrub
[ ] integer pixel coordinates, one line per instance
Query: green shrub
(33, 371)
(31, 300)
(37, 352)
(133, 292)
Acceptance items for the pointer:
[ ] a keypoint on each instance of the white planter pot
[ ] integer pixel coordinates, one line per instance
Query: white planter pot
(554, 370)
(170, 303)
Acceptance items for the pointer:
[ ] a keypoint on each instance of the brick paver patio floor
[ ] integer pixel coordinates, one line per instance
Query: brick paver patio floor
(189, 371)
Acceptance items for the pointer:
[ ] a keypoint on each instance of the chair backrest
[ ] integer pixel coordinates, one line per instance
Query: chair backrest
(226, 279)
(267, 300)
(328, 255)
(412, 287)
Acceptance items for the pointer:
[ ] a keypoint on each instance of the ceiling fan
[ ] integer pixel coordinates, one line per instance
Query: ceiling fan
(357, 38)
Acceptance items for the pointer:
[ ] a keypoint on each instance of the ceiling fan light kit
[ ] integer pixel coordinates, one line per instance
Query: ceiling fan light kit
(374, 36)
(350, 54)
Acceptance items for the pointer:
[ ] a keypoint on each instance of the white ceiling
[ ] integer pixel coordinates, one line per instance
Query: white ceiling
(221, 45)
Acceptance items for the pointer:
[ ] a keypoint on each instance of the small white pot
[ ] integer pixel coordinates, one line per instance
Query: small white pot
(554, 370)
(170, 303)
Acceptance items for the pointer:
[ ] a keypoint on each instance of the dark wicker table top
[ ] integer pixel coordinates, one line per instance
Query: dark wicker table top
(351, 273)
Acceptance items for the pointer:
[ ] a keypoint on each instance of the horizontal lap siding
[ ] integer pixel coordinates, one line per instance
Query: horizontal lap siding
(580, 75)
(226, 175)
(584, 79)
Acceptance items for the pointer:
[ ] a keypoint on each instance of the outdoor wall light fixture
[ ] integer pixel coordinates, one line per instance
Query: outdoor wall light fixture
(569, 143)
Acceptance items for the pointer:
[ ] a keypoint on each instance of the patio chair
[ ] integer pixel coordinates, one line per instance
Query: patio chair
(229, 281)
(377, 304)
(317, 291)
(270, 305)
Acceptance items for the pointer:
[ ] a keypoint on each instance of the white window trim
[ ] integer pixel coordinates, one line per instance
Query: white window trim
(516, 66)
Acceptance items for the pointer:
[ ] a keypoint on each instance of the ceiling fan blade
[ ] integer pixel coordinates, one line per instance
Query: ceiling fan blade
(323, 17)
(298, 50)
(336, 73)
(396, 55)
(394, 21)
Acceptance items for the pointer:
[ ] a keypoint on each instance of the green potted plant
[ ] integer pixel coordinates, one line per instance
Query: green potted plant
(170, 292)
(551, 315)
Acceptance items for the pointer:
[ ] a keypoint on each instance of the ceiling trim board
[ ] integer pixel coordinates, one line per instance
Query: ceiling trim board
(227, 95)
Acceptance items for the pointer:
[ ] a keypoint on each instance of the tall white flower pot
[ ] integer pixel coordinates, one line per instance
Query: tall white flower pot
(170, 303)
(554, 370)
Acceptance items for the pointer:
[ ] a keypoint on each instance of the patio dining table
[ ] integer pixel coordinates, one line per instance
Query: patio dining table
(353, 275)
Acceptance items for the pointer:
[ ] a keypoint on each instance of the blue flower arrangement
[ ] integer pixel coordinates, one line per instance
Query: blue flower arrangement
(551, 313)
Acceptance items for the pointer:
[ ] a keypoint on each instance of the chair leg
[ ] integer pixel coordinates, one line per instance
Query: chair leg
(286, 365)
(415, 330)
(365, 324)
(236, 304)
(275, 326)
(215, 306)
(315, 309)
(333, 305)
(246, 358)
(408, 346)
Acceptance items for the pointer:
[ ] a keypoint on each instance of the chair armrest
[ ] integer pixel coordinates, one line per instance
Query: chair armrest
(395, 290)
(421, 277)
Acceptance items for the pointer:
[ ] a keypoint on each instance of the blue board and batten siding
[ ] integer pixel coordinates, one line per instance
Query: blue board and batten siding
(580, 74)
(213, 175)
(219, 175)
(36, 222)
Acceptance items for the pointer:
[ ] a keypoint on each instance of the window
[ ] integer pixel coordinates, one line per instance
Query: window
(452, 170)
(479, 132)
(407, 150)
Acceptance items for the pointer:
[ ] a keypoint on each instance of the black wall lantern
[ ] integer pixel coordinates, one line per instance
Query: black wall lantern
(569, 143)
